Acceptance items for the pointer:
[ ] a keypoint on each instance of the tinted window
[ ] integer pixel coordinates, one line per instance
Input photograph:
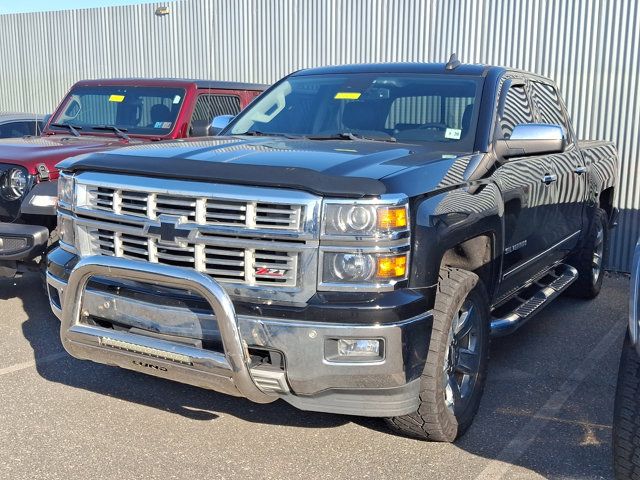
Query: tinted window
(17, 129)
(138, 110)
(437, 109)
(548, 106)
(210, 106)
(517, 110)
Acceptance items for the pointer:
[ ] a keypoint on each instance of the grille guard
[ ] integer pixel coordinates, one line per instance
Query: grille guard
(227, 372)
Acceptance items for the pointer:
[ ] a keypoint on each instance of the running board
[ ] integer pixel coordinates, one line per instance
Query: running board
(558, 281)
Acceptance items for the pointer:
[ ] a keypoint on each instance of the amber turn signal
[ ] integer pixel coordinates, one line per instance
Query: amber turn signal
(392, 218)
(392, 267)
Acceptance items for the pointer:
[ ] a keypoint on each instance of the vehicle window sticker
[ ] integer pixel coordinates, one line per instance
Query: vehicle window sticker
(347, 95)
(453, 133)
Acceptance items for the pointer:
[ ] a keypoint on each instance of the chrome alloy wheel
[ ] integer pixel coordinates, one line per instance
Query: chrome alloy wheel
(598, 253)
(462, 358)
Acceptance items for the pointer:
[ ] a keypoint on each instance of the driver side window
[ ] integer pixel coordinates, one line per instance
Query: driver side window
(517, 110)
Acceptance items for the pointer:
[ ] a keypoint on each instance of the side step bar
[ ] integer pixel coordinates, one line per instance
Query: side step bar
(563, 276)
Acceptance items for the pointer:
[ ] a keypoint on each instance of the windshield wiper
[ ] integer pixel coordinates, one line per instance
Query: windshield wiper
(118, 131)
(72, 128)
(351, 136)
(257, 133)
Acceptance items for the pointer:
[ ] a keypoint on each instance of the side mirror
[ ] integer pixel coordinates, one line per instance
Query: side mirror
(532, 139)
(219, 123)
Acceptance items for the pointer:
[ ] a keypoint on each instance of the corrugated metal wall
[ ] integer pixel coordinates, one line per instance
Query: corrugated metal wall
(590, 47)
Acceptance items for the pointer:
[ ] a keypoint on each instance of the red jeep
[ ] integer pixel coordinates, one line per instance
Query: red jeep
(97, 115)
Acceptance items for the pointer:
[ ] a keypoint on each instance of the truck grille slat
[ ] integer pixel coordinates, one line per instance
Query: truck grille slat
(251, 239)
(268, 267)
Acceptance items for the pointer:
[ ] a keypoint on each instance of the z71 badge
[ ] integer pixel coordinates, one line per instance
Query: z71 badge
(270, 272)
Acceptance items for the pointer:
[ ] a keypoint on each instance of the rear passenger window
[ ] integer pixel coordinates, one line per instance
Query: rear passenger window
(210, 106)
(548, 106)
(517, 110)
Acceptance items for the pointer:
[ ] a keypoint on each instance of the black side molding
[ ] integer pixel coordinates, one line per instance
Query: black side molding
(253, 175)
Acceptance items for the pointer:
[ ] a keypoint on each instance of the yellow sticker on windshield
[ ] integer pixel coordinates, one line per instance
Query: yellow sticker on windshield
(347, 95)
(116, 98)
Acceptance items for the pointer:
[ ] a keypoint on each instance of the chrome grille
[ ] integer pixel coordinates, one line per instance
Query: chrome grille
(224, 263)
(200, 210)
(256, 241)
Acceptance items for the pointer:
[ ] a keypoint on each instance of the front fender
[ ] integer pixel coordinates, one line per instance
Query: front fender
(450, 218)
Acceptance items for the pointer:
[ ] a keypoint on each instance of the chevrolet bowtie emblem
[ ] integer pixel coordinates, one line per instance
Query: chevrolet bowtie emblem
(168, 230)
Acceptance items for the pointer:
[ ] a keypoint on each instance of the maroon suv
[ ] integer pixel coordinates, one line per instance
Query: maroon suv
(97, 115)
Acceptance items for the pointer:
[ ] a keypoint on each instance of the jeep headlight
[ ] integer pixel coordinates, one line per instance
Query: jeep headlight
(364, 243)
(66, 185)
(14, 183)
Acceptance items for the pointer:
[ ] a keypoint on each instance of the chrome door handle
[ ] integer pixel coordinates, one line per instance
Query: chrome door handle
(580, 170)
(547, 179)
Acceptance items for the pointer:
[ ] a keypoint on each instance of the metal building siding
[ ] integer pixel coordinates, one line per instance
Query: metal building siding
(589, 47)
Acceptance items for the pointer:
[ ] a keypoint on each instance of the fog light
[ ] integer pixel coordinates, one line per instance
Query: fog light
(358, 347)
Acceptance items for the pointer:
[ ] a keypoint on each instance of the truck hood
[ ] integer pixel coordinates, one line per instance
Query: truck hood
(32, 151)
(328, 167)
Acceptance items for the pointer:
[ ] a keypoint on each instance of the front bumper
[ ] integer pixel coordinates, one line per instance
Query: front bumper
(18, 243)
(165, 339)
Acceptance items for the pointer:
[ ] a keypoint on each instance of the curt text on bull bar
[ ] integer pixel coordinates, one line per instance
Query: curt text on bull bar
(227, 372)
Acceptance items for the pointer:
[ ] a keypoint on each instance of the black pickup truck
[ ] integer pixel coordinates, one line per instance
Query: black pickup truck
(348, 244)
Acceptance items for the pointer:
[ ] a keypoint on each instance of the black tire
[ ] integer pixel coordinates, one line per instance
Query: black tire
(588, 285)
(435, 420)
(626, 415)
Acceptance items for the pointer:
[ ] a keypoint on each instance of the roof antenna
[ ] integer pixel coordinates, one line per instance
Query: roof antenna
(453, 62)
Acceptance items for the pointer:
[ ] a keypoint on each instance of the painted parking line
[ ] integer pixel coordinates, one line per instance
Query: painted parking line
(32, 363)
(517, 447)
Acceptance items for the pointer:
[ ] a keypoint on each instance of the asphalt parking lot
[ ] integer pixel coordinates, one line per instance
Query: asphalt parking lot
(546, 412)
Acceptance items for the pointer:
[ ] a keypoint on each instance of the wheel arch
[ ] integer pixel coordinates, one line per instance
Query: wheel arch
(459, 229)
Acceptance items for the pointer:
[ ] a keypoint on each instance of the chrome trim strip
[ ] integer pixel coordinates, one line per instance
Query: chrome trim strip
(541, 254)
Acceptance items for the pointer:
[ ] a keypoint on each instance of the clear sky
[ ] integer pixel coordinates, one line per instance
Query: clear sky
(13, 6)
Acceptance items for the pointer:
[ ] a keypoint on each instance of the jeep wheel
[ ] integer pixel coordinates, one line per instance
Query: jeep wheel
(454, 374)
(626, 415)
(589, 258)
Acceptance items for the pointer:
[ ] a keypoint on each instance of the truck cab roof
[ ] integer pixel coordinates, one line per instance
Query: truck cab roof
(174, 82)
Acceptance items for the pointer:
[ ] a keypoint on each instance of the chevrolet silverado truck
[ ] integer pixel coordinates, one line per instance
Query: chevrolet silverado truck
(626, 414)
(96, 115)
(349, 243)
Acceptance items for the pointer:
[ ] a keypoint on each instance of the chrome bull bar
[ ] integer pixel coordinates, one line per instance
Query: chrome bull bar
(227, 372)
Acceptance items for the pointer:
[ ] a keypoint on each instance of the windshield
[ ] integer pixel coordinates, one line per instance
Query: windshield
(135, 110)
(434, 109)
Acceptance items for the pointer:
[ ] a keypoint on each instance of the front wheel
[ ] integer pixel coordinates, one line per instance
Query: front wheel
(455, 371)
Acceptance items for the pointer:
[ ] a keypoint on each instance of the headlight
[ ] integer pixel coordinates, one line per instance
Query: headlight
(364, 268)
(349, 219)
(66, 230)
(14, 183)
(364, 243)
(65, 189)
